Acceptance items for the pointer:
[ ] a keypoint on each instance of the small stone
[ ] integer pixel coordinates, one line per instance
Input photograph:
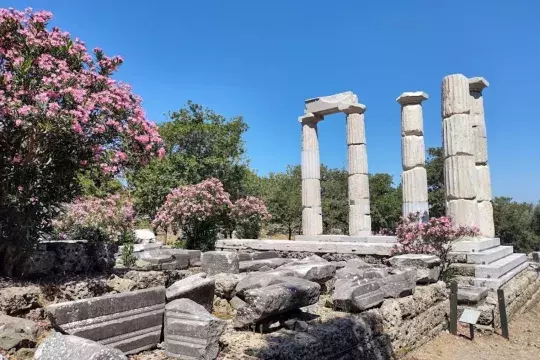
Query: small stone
(17, 333)
(400, 283)
(119, 285)
(69, 347)
(226, 284)
(237, 303)
(14, 300)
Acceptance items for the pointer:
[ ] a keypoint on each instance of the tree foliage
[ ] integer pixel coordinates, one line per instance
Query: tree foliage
(516, 224)
(435, 179)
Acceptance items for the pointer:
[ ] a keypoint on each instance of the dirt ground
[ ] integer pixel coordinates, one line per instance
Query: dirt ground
(524, 343)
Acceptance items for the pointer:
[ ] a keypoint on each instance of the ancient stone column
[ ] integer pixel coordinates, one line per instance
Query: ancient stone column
(358, 182)
(479, 135)
(459, 166)
(413, 155)
(311, 176)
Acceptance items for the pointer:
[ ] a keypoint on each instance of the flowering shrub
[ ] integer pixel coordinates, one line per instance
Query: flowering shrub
(112, 216)
(60, 112)
(432, 237)
(196, 211)
(248, 213)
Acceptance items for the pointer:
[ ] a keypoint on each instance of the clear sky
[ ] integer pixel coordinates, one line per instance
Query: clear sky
(261, 59)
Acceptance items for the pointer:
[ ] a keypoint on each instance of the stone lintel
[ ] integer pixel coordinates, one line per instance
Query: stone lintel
(326, 105)
(412, 98)
(352, 108)
(309, 117)
(478, 84)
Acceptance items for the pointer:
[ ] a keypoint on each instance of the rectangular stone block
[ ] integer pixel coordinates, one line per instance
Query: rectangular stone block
(485, 219)
(215, 262)
(356, 129)
(358, 187)
(413, 152)
(128, 321)
(414, 185)
(455, 95)
(483, 190)
(310, 139)
(480, 145)
(477, 109)
(311, 192)
(460, 177)
(412, 120)
(191, 332)
(311, 164)
(457, 135)
(312, 221)
(359, 220)
(357, 159)
(462, 212)
(326, 105)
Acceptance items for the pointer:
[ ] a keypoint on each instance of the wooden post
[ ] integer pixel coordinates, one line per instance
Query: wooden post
(502, 313)
(453, 307)
(471, 331)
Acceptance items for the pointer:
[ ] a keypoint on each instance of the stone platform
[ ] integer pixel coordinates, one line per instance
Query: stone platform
(493, 264)
(325, 244)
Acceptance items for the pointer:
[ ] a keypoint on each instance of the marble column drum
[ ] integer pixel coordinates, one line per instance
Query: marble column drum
(479, 135)
(460, 175)
(311, 175)
(413, 158)
(358, 181)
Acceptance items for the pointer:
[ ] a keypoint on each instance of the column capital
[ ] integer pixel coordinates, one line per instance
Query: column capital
(309, 117)
(478, 84)
(352, 108)
(412, 98)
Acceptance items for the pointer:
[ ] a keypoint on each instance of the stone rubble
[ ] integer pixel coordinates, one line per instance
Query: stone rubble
(198, 288)
(69, 347)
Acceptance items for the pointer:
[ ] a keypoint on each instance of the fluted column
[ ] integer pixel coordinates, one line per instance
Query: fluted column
(413, 155)
(459, 166)
(478, 127)
(311, 176)
(358, 181)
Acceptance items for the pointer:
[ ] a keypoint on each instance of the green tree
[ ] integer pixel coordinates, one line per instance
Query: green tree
(95, 183)
(435, 179)
(200, 144)
(386, 202)
(335, 204)
(281, 193)
(513, 224)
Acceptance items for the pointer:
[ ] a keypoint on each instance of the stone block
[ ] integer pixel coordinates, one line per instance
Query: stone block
(483, 189)
(312, 221)
(485, 219)
(128, 321)
(226, 284)
(312, 268)
(460, 177)
(455, 95)
(261, 279)
(414, 185)
(479, 139)
(311, 164)
(326, 105)
(399, 284)
(144, 236)
(198, 288)
(412, 120)
(355, 296)
(310, 140)
(412, 98)
(359, 220)
(356, 129)
(413, 152)
(68, 347)
(289, 294)
(462, 212)
(471, 294)
(215, 262)
(263, 255)
(16, 333)
(190, 331)
(457, 136)
(358, 188)
(357, 159)
(428, 267)
(311, 192)
(256, 265)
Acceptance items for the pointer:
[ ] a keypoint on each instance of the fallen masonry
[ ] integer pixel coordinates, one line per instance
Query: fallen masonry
(190, 331)
(198, 288)
(69, 347)
(128, 321)
(215, 262)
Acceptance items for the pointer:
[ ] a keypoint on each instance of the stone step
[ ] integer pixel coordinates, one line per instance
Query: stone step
(475, 245)
(374, 239)
(500, 267)
(494, 284)
(490, 255)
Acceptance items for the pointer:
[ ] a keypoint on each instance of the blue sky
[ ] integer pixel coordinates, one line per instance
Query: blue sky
(261, 59)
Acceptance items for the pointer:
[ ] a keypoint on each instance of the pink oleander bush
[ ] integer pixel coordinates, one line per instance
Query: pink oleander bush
(195, 210)
(111, 218)
(433, 237)
(248, 214)
(61, 112)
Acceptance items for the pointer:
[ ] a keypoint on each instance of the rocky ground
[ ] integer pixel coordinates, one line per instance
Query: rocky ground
(524, 343)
